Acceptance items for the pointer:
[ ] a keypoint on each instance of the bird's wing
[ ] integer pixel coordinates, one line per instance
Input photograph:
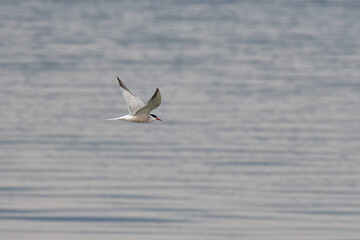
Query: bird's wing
(133, 102)
(153, 103)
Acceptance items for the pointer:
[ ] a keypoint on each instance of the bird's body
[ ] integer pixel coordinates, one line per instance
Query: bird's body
(138, 112)
(131, 118)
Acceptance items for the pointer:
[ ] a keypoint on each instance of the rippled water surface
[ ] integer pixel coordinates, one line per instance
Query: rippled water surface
(261, 132)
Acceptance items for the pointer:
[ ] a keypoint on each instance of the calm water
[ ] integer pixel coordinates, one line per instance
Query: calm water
(261, 110)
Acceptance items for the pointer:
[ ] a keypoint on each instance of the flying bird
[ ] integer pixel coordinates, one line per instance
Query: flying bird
(138, 111)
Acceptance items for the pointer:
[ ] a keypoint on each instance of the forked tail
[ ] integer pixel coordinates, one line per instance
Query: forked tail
(118, 118)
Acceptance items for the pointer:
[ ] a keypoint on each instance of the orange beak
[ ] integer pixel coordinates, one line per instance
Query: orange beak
(158, 119)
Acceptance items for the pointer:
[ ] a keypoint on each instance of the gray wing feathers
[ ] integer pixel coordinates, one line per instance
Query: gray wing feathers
(133, 102)
(122, 85)
(153, 103)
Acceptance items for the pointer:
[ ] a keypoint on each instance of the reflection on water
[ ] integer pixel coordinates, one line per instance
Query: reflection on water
(260, 138)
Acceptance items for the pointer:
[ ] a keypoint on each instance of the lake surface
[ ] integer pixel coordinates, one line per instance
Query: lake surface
(260, 136)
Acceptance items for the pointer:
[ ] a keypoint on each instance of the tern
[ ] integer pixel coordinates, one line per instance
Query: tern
(138, 112)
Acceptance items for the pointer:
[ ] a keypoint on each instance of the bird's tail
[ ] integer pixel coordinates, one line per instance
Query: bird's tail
(118, 118)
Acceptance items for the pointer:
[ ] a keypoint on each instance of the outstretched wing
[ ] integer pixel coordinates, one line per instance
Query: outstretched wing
(153, 103)
(133, 102)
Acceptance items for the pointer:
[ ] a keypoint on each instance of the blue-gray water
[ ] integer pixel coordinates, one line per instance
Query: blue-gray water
(261, 130)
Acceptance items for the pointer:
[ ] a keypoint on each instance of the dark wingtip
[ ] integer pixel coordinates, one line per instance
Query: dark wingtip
(121, 83)
(157, 91)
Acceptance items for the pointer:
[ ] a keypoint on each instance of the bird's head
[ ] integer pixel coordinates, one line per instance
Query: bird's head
(154, 117)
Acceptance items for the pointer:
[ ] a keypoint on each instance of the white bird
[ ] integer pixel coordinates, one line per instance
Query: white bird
(137, 111)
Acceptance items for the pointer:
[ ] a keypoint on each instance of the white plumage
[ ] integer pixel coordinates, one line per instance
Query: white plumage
(138, 112)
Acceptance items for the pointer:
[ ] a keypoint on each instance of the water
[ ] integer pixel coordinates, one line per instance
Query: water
(260, 138)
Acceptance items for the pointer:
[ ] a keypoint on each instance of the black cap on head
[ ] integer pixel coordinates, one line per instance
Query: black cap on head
(153, 115)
